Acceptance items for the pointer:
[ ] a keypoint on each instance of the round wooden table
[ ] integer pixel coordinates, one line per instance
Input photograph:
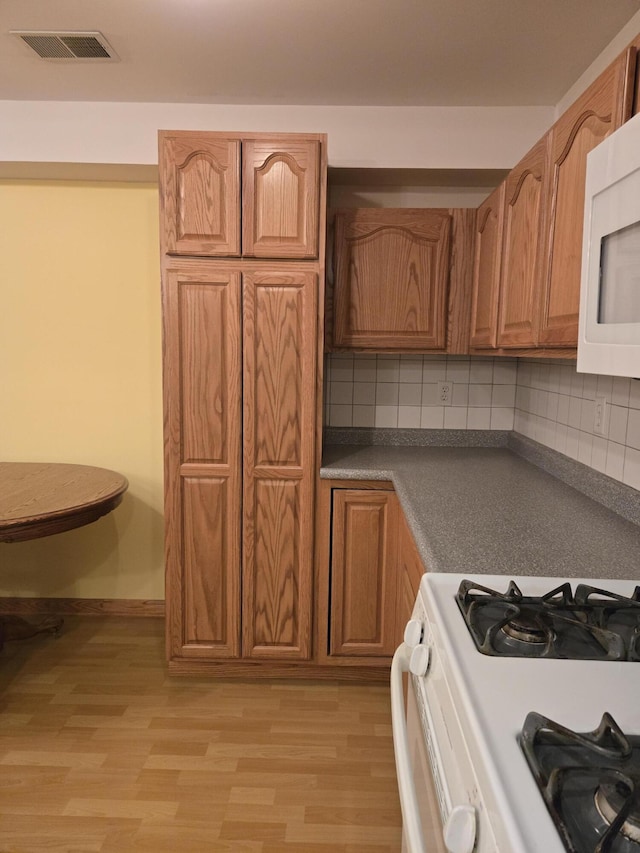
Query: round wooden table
(42, 498)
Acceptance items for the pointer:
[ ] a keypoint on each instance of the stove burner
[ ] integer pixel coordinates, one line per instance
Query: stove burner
(593, 624)
(590, 783)
(617, 802)
(526, 627)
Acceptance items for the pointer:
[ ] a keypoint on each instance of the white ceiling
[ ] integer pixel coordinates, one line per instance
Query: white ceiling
(341, 52)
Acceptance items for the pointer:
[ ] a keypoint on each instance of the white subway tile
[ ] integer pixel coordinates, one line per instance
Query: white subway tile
(480, 395)
(633, 429)
(590, 386)
(387, 369)
(364, 369)
(575, 412)
(457, 370)
(408, 416)
(432, 417)
(585, 447)
(387, 393)
(430, 394)
(563, 408)
(587, 415)
(386, 416)
(561, 438)
(342, 392)
(621, 391)
(411, 369)
(504, 372)
(480, 371)
(552, 406)
(502, 418)
(573, 436)
(566, 372)
(618, 417)
(634, 394)
(460, 395)
(631, 474)
(479, 418)
(503, 396)
(364, 416)
(434, 371)
(615, 460)
(340, 416)
(599, 454)
(455, 418)
(604, 386)
(364, 393)
(577, 384)
(410, 394)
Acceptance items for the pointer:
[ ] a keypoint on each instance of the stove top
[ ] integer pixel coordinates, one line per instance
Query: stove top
(589, 624)
(590, 783)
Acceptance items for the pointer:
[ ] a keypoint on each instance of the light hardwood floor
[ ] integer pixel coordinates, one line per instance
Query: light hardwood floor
(102, 752)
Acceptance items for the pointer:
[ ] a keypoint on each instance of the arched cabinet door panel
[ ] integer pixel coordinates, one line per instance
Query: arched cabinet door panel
(200, 194)
(391, 278)
(280, 198)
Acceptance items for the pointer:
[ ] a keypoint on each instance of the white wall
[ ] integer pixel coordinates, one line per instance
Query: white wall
(366, 137)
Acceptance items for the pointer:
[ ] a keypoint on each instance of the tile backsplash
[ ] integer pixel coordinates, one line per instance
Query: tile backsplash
(402, 391)
(555, 406)
(547, 401)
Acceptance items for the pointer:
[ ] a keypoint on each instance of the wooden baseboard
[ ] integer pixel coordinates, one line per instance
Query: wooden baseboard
(263, 669)
(81, 607)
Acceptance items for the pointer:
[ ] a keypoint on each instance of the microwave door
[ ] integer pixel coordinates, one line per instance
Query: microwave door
(619, 279)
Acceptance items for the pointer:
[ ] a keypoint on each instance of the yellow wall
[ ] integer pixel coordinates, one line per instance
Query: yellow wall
(80, 375)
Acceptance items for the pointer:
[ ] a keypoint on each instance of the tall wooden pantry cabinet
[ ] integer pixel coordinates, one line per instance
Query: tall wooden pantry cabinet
(242, 242)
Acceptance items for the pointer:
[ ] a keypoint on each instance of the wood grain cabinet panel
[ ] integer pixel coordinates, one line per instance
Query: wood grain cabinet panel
(522, 250)
(280, 349)
(202, 379)
(486, 270)
(200, 205)
(280, 198)
(603, 107)
(391, 278)
(363, 572)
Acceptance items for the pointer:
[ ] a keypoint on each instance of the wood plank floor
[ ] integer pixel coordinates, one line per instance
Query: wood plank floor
(102, 752)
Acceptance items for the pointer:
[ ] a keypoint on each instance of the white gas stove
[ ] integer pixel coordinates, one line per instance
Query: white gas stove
(473, 703)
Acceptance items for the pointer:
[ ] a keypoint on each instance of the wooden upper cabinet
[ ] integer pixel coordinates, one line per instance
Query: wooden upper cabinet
(203, 199)
(602, 108)
(200, 202)
(486, 270)
(391, 278)
(281, 190)
(520, 280)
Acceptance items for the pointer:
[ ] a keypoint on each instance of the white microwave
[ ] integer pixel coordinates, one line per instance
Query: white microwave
(609, 324)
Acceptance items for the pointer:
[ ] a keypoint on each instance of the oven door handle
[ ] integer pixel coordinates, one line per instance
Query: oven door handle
(412, 827)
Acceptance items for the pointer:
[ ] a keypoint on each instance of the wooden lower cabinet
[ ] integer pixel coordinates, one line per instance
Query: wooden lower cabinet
(363, 572)
(369, 572)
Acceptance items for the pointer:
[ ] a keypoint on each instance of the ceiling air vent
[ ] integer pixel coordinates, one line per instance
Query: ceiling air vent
(60, 45)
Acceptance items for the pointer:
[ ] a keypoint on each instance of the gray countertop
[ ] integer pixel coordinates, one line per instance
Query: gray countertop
(488, 510)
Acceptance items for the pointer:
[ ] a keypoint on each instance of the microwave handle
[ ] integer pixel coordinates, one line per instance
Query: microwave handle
(412, 827)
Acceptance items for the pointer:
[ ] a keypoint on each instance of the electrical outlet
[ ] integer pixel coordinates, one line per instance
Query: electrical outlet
(600, 415)
(445, 392)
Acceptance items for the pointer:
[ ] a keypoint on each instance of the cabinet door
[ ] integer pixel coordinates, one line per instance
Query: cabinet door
(200, 194)
(203, 484)
(486, 270)
(391, 278)
(280, 340)
(363, 572)
(281, 198)
(599, 111)
(522, 250)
